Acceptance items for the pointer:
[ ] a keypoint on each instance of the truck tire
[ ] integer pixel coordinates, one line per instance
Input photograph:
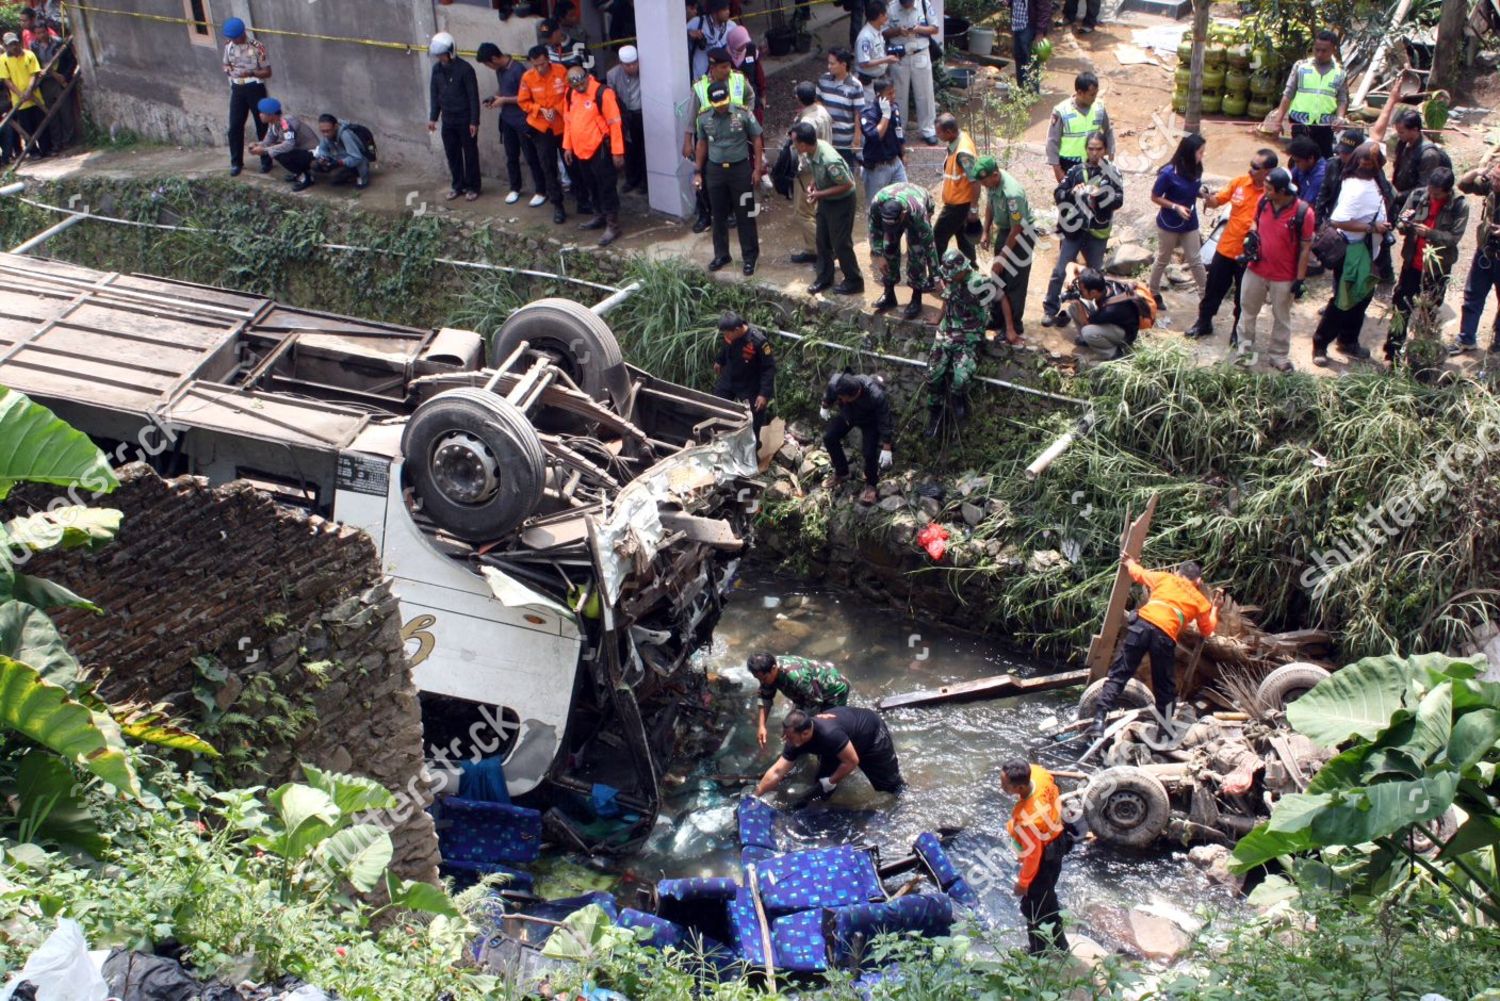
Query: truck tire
(1135, 695)
(475, 463)
(1126, 806)
(1287, 684)
(578, 341)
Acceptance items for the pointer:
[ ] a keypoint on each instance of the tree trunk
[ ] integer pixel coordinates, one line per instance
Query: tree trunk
(1447, 57)
(1192, 122)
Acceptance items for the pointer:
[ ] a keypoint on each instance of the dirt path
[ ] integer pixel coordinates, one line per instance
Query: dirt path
(1138, 99)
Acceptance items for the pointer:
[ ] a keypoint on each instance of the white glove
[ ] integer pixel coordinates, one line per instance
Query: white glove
(885, 108)
(885, 458)
(828, 785)
(825, 413)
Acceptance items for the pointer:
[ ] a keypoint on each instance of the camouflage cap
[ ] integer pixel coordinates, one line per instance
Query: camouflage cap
(984, 167)
(954, 262)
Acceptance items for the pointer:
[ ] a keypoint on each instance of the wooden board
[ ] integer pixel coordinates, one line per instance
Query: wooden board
(1102, 647)
(994, 687)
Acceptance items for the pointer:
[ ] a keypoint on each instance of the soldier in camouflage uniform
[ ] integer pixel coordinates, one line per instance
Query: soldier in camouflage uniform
(810, 685)
(952, 362)
(897, 208)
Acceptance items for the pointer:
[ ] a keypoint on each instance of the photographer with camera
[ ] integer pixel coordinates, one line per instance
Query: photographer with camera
(1433, 221)
(1484, 270)
(1242, 195)
(1086, 201)
(873, 59)
(1276, 254)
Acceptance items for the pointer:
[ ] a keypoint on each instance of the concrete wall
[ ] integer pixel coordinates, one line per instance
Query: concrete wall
(220, 593)
(150, 77)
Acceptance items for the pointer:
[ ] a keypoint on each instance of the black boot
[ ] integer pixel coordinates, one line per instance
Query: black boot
(598, 222)
(913, 310)
(886, 301)
(1096, 728)
(934, 420)
(960, 405)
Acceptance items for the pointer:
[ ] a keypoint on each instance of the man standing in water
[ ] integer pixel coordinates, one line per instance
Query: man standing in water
(844, 738)
(1041, 839)
(810, 685)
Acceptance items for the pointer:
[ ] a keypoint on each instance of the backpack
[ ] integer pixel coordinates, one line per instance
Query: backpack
(784, 172)
(366, 140)
(1145, 302)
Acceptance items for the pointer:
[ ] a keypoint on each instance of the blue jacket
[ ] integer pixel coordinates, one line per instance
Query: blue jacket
(877, 149)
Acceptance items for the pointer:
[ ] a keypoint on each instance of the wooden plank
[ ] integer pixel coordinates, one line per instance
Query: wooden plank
(1102, 647)
(994, 687)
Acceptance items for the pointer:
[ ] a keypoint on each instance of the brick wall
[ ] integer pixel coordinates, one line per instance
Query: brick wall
(261, 592)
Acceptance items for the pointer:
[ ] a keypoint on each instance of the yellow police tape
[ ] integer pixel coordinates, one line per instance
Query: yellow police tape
(371, 42)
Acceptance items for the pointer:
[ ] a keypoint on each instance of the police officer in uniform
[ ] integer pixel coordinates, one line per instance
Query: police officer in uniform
(741, 94)
(248, 69)
(1072, 121)
(730, 163)
(745, 367)
(1317, 94)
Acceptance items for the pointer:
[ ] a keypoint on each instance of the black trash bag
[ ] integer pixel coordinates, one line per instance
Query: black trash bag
(140, 976)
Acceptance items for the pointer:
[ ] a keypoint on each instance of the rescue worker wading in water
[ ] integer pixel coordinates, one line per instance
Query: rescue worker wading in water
(1175, 601)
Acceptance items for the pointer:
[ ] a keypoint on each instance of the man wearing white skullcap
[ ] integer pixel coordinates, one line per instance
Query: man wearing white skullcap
(625, 80)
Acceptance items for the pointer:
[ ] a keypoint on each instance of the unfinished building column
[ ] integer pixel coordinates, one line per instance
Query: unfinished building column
(666, 103)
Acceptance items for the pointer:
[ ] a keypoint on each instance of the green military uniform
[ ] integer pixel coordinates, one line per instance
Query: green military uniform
(921, 246)
(810, 685)
(727, 178)
(953, 359)
(1008, 208)
(835, 215)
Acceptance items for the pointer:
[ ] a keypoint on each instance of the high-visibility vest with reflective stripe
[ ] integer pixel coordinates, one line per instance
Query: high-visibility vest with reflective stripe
(957, 188)
(735, 83)
(1076, 126)
(1317, 97)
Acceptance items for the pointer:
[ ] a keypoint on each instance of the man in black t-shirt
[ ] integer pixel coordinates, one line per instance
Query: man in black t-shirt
(844, 738)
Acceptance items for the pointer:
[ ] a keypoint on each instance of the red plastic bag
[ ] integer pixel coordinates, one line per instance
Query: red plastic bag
(934, 539)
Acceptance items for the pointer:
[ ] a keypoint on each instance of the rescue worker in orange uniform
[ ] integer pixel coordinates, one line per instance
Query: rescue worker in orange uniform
(594, 144)
(544, 88)
(1176, 599)
(1036, 826)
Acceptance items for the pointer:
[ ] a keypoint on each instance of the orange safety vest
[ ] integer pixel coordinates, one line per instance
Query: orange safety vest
(592, 116)
(957, 188)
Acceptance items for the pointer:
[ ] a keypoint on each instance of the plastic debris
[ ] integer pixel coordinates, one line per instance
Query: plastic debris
(60, 969)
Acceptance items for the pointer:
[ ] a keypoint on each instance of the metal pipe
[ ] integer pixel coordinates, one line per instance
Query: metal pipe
(608, 303)
(13, 189)
(49, 233)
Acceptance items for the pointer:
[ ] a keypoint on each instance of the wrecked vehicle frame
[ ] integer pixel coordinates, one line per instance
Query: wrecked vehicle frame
(559, 526)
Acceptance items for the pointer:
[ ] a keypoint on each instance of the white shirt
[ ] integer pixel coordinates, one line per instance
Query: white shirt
(869, 47)
(905, 18)
(1359, 201)
(713, 38)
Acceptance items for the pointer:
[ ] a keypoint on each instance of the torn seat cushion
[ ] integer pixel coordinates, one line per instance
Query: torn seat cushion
(757, 824)
(930, 850)
(797, 942)
(927, 913)
(823, 877)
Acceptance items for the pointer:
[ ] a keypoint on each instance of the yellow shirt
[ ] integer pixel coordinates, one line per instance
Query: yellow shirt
(18, 71)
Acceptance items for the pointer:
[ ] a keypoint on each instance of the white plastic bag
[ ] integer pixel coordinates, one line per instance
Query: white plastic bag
(61, 969)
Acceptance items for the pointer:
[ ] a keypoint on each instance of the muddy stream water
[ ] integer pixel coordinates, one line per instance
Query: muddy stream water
(950, 758)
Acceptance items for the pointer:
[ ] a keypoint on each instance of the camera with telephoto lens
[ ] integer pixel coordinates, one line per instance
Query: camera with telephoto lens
(899, 51)
(1405, 222)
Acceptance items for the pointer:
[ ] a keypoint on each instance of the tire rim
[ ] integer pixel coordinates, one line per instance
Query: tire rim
(1126, 810)
(464, 469)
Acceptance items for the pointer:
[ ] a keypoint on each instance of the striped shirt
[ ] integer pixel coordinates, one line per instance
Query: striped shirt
(844, 99)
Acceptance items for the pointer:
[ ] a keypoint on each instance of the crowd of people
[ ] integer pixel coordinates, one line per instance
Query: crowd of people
(36, 66)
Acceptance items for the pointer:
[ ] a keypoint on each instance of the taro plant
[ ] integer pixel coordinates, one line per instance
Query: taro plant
(1419, 742)
(51, 722)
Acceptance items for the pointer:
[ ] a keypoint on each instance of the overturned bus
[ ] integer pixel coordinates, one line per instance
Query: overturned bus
(559, 525)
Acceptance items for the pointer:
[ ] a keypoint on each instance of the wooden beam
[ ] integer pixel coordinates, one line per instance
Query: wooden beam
(1102, 647)
(995, 687)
